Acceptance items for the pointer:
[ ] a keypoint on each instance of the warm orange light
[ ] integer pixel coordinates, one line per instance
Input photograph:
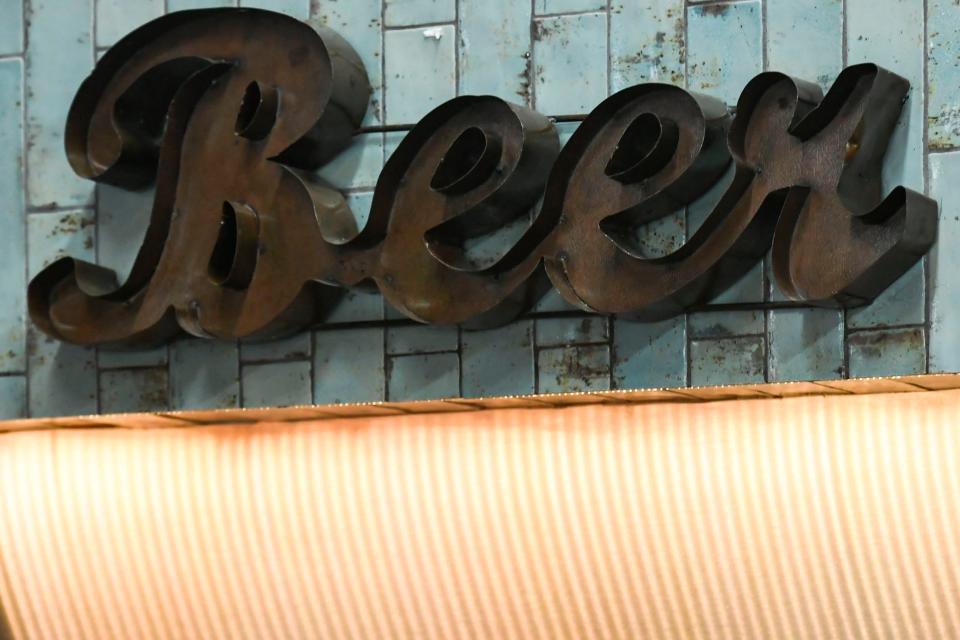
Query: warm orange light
(808, 517)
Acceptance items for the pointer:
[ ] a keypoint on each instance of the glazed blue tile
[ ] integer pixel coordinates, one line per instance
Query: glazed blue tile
(498, 362)
(727, 361)
(348, 366)
(13, 283)
(552, 332)
(647, 42)
(805, 39)
(51, 236)
(13, 397)
(725, 324)
(358, 165)
(424, 377)
(805, 344)
(59, 56)
(420, 71)
(122, 220)
(360, 203)
(649, 354)
(495, 49)
(107, 359)
(893, 38)
(181, 5)
(357, 306)
(360, 24)
(565, 130)
(575, 368)
(299, 9)
(724, 48)
(276, 384)
(902, 303)
(295, 347)
(134, 390)
(11, 29)
(401, 13)
(62, 377)
(567, 6)
(204, 374)
(570, 63)
(943, 74)
(420, 338)
(945, 265)
(117, 18)
(890, 352)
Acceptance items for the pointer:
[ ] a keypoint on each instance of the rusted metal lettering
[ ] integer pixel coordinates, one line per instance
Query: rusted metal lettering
(229, 112)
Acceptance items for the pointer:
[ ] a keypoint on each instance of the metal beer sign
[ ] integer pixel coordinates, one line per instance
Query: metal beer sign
(230, 112)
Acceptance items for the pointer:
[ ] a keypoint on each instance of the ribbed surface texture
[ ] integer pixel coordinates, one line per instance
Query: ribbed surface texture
(803, 518)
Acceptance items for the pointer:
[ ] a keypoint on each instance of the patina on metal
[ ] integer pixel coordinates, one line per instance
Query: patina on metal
(229, 112)
(220, 107)
(807, 181)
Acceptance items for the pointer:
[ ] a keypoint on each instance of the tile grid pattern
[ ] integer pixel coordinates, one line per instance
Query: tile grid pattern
(559, 56)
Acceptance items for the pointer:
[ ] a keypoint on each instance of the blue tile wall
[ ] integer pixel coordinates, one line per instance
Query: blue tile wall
(559, 56)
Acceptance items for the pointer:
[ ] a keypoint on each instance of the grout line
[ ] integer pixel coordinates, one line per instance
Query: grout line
(25, 196)
(573, 14)
(927, 271)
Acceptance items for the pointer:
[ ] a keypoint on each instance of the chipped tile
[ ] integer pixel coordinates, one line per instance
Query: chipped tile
(805, 344)
(945, 265)
(495, 49)
(420, 71)
(13, 397)
(724, 48)
(498, 361)
(13, 282)
(348, 366)
(649, 354)
(727, 361)
(891, 352)
(277, 384)
(59, 56)
(943, 74)
(574, 368)
(423, 377)
(401, 13)
(204, 374)
(647, 42)
(117, 18)
(805, 39)
(360, 24)
(134, 390)
(570, 52)
(552, 332)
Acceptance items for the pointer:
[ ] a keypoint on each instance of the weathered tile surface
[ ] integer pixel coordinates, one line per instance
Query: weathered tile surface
(420, 377)
(348, 366)
(495, 49)
(498, 362)
(299, 9)
(570, 63)
(204, 374)
(399, 13)
(727, 361)
(117, 18)
(649, 354)
(13, 279)
(805, 344)
(276, 384)
(420, 71)
(567, 6)
(945, 265)
(13, 397)
(11, 29)
(943, 74)
(647, 42)
(889, 352)
(805, 39)
(59, 56)
(573, 368)
(134, 390)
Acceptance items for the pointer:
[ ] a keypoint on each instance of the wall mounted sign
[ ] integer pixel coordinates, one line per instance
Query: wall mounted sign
(229, 112)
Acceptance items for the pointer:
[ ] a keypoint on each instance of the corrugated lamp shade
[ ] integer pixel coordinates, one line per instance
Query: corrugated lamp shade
(810, 517)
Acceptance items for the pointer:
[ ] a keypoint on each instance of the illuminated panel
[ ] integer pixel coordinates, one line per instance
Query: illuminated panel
(806, 517)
